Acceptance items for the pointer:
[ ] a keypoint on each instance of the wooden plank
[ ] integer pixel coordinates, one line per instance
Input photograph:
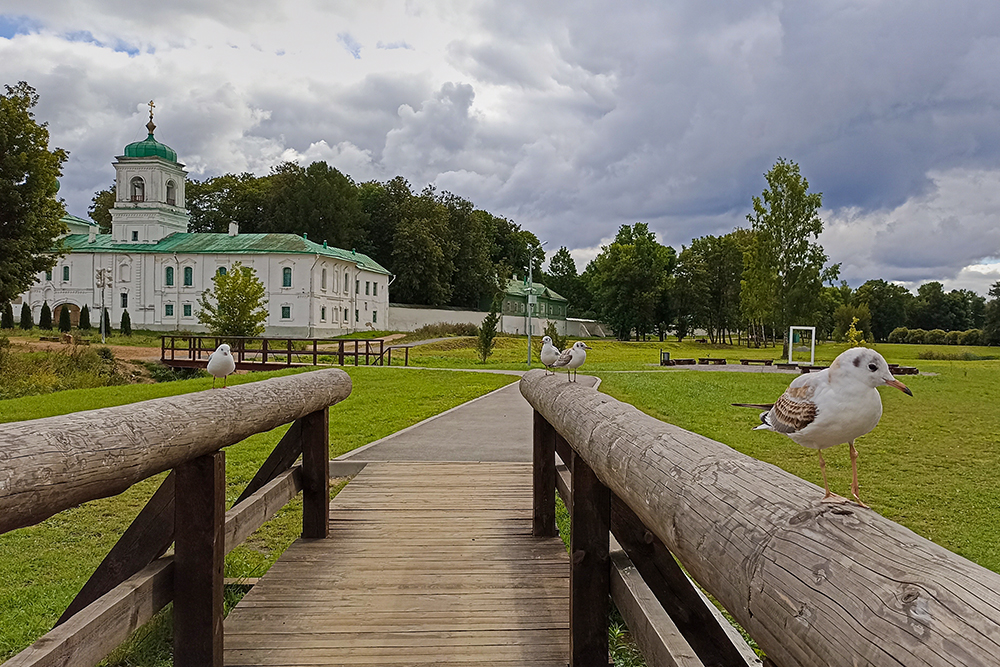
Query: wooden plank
(590, 575)
(811, 583)
(655, 633)
(315, 474)
(51, 464)
(544, 482)
(199, 560)
(281, 458)
(406, 581)
(88, 636)
(146, 539)
(250, 514)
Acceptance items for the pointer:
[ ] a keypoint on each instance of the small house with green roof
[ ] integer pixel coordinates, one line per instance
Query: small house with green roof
(548, 306)
(152, 267)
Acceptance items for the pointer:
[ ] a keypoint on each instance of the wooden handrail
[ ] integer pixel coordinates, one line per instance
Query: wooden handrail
(48, 465)
(811, 583)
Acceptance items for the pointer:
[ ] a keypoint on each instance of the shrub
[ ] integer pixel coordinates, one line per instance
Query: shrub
(951, 356)
(126, 326)
(7, 319)
(65, 323)
(953, 337)
(971, 337)
(487, 335)
(935, 337)
(45, 317)
(444, 329)
(553, 333)
(107, 322)
(915, 336)
(26, 320)
(85, 318)
(899, 335)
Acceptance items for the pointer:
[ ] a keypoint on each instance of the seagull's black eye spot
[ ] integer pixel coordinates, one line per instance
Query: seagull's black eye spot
(872, 367)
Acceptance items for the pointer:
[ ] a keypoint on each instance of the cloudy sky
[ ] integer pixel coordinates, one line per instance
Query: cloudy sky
(569, 118)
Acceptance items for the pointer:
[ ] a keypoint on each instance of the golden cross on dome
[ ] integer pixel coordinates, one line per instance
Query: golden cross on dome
(151, 105)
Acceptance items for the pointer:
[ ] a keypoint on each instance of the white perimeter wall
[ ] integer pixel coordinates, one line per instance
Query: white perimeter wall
(409, 318)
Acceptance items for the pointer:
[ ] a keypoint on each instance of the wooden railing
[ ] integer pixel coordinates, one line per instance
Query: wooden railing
(48, 465)
(260, 353)
(811, 583)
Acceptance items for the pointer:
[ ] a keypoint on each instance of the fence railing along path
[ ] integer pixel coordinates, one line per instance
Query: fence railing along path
(264, 353)
(49, 465)
(813, 584)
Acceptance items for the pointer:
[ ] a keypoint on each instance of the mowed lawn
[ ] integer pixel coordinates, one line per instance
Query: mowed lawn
(42, 567)
(931, 464)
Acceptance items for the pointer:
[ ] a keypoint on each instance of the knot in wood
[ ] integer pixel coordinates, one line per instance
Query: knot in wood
(910, 596)
(648, 537)
(578, 556)
(802, 517)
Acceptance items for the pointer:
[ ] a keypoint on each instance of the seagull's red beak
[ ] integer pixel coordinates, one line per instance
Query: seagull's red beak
(900, 386)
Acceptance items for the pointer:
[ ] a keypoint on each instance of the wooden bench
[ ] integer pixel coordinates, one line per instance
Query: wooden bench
(787, 366)
(905, 370)
(763, 362)
(49, 339)
(683, 362)
(810, 369)
(718, 361)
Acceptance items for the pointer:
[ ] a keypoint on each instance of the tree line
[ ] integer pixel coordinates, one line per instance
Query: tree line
(442, 250)
(755, 282)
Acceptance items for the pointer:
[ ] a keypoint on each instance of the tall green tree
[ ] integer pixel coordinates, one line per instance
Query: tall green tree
(785, 269)
(931, 309)
(628, 279)
(236, 304)
(126, 324)
(991, 323)
(708, 277)
(562, 277)
(100, 208)
(7, 319)
(26, 317)
(65, 323)
(240, 198)
(888, 304)
(30, 214)
(45, 317)
(85, 318)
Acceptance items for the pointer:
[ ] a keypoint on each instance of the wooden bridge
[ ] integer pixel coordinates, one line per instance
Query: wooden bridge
(457, 562)
(259, 353)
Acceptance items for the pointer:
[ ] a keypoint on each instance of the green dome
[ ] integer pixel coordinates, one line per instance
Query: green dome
(150, 147)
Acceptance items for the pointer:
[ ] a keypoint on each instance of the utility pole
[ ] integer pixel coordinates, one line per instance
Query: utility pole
(103, 279)
(532, 300)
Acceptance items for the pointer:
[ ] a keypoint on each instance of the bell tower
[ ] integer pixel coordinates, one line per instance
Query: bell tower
(149, 191)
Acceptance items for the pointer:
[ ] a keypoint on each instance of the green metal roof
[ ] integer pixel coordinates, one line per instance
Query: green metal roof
(150, 147)
(519, 288)
(80, 221)
(222, 244)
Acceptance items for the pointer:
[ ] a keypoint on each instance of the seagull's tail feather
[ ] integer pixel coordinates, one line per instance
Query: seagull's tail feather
(759, 406)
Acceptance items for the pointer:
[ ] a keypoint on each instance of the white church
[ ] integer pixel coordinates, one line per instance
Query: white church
(151, 266)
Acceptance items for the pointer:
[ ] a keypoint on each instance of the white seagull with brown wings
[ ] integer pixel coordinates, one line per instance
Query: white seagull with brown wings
(833, 406)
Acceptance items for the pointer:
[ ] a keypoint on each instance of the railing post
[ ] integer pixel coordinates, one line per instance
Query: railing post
(199, 556)
(544, 484)
(316, 474)
(263, 350)
(590, 573)
(340, 351)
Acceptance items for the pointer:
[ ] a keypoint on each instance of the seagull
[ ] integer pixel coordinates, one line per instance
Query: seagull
(835, 405)
(549, 354)
(572, 358)
(221, 364)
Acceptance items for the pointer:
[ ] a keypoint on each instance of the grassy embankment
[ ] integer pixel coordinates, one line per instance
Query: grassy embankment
(43, 566)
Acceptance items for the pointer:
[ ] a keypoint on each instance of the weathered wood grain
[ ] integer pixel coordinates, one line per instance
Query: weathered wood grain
(812, 584)
(544, 477)
(48, 465)
(590, 569)
(422, 569)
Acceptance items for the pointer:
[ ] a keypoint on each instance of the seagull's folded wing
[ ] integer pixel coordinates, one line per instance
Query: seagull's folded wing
(791, 413)
(564, 358)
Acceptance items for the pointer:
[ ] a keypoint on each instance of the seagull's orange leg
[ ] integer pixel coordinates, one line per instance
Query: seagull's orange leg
(829, 497)
(855, 490)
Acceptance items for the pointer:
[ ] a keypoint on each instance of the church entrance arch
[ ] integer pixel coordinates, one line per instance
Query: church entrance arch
(74, 314)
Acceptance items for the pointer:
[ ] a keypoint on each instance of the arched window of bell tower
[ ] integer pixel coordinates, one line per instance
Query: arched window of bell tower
(137, 189)
(171, 193)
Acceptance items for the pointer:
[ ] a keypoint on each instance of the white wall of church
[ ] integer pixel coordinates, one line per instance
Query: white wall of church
(353, 299)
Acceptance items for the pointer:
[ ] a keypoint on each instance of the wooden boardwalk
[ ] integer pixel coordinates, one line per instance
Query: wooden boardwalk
(426, 564)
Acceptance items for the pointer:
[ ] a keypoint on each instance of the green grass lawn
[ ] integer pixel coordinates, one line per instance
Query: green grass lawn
(930, 464)
(43, 566)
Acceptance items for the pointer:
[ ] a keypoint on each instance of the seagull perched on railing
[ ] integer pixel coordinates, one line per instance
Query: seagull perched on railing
(833, 406)
(221, 364)
(572, 358)
(549, 354)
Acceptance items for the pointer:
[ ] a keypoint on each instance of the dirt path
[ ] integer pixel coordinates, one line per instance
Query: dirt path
(124, 352)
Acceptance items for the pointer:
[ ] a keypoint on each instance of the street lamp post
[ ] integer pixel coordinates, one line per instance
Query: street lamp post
(532, 300)
(103, 280)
